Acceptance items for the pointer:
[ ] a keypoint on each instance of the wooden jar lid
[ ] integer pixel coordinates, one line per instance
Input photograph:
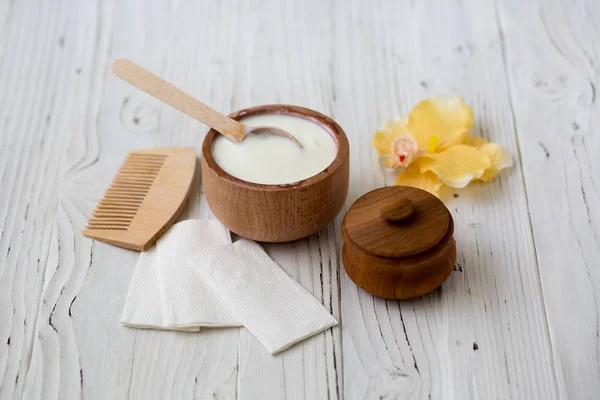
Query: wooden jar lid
(396, 221)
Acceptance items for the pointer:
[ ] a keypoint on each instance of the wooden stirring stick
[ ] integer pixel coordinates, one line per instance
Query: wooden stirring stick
(169, 94)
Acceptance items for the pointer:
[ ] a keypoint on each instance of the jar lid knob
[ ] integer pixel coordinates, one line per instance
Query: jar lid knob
(398, 211)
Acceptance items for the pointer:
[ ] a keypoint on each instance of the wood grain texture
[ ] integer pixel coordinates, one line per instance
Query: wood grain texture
(398, 254)
(175, 97)
(400, 278)
(518, 318)
(484, 333)
(552, 55)
(144, 199)
(364, 225)
(96, 119)
(278, 213)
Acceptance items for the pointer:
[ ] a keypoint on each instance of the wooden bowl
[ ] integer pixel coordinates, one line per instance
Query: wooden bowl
(278, 213)
(398, 242)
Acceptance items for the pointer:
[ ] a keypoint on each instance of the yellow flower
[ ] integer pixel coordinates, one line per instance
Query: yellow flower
(432, 148)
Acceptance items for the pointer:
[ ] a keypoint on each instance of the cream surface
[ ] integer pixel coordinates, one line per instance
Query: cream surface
(270, 159)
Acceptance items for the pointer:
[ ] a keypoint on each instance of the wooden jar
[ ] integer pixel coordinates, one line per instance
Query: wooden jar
(278, 213)
(398, 242)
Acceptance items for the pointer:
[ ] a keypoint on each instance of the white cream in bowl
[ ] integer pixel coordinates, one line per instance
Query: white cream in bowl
(269, 159)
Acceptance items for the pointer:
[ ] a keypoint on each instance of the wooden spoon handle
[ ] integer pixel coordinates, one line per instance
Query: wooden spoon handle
(167, 93)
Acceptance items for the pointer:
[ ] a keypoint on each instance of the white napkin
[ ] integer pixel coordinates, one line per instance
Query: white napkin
(272, 306)
(166, 293)
(188, 301)
(194, 277)
(143, 308)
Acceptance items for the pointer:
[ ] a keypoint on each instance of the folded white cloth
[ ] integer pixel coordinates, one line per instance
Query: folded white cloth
(194, 278)
(144, 308)
(272, 306)
(188, 301)
(166, 293)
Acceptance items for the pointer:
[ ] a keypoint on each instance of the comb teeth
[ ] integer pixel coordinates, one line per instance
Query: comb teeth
(145, 198)
(121, 201)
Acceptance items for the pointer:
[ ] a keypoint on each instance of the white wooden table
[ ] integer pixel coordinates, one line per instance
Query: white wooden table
(519, 317)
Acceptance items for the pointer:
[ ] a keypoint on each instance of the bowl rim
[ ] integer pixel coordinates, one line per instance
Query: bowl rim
(333, 127)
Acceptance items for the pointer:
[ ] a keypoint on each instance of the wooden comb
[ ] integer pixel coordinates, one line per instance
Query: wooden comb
(145, 198)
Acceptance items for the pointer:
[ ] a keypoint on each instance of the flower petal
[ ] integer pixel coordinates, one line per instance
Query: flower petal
(500, 159)
(413, 176)
(385, 136)
(475, 141)
(499, 156)
(457, 166)
(448, 118)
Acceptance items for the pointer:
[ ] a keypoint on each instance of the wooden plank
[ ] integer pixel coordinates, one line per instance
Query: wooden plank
(282, 55)
(85, 121)
(483, 334)
(553, 57)
(66, 123)
(33, 70)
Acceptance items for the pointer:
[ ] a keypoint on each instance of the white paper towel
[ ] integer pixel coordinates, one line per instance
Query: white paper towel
(144, 308)
(276, 309)
(166, 293)
(187, 299)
